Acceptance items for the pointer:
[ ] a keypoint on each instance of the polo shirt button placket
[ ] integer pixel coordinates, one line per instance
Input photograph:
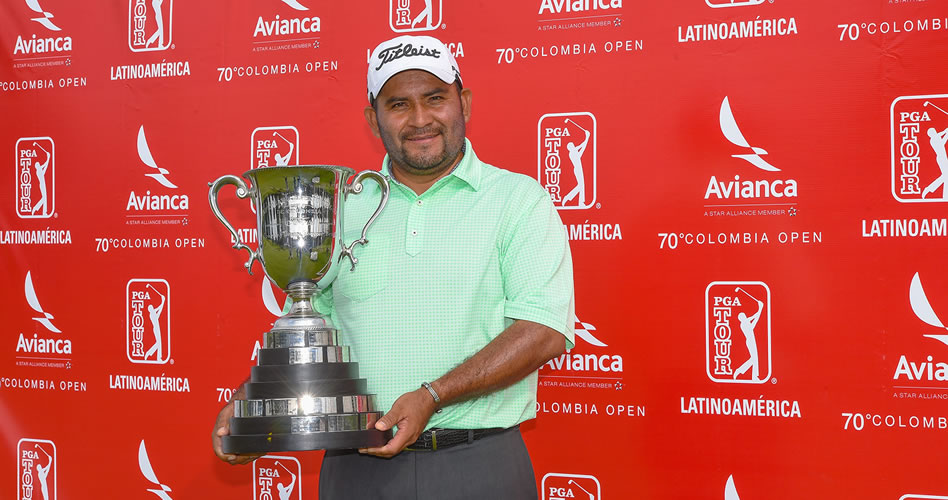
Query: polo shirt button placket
(416, 219)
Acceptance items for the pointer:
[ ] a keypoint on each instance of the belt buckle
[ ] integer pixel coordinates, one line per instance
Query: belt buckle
(434, 442)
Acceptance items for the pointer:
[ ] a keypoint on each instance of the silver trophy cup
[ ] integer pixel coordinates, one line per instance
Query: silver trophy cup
(304, 393)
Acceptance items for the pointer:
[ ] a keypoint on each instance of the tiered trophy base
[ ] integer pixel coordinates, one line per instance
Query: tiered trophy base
(263, 443)
(304, 394)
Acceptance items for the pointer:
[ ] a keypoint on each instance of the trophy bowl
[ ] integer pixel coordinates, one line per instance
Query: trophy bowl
(305, 392)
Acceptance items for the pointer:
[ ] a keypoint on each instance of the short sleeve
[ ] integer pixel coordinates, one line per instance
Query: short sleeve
(536, 265)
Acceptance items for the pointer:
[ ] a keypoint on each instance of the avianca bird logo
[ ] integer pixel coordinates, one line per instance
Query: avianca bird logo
(34, 303)
(45, 19)
(296, 5)
(733, 134)
(730, 491)
(145, 154)
(923, 308)
(583, 331)
(145, 465)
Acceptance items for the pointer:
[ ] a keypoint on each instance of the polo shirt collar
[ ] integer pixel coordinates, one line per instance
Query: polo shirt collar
(467, 170)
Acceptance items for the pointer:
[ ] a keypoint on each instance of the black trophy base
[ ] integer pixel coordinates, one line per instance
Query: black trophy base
(342, 440)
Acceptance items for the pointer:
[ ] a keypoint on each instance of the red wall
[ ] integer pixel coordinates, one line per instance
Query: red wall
(827, 105)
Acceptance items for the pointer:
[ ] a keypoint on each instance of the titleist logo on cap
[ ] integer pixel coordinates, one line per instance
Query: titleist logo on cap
(404, 50)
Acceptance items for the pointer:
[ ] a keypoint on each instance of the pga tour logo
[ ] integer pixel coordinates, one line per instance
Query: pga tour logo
(274, 147)
(35, 177)
(919, 131)
(148, 321)
(149, 25)
(276, 477)
(566, 158)
(737, 332)
(36, 469)
(414, 15)
(558, 486)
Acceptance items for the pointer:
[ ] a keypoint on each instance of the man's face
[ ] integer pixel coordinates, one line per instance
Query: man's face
(420, 120)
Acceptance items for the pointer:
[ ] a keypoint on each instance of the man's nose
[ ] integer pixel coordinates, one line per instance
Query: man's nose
(420, 115)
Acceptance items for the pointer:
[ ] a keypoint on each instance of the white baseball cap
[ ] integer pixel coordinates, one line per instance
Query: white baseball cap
(410, 52)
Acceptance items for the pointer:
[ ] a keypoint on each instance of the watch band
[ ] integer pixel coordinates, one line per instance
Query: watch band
(434, 394)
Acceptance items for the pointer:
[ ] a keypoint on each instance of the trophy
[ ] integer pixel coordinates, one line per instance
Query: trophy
(305, 393)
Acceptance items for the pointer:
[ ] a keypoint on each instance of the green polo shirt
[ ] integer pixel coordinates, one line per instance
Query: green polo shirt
(445, 273)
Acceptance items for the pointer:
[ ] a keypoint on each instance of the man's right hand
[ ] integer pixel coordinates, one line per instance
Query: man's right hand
(221, 429)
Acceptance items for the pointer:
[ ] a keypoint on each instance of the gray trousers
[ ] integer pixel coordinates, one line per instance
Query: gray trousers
(495, 467)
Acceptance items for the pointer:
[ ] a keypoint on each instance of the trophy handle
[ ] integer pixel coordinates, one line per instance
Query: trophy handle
(242, 192)
(356, 188)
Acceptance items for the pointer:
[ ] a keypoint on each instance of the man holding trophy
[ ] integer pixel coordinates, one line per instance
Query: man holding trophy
(463, 292)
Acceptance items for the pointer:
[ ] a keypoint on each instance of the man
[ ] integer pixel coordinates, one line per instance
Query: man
(466, 282)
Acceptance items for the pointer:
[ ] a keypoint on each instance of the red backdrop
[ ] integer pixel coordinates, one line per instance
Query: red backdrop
(758, 239)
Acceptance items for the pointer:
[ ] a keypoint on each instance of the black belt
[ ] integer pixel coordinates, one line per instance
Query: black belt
(438, 439)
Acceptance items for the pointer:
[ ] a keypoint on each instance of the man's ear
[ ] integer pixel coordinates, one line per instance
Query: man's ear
(466, 96)
(373, 120)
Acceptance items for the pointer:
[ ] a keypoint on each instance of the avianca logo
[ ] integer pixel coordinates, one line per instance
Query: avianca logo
(154, 202)
(296, 5)
(34, 303)
(145, 154)
(730, 491)
(272, 305)
(45, 18)
(296, 26)
(269, 298)
(928, 370)
(923, 309)
(747, 189)
(37, 344)
(144, 464)
(731, 131)
(583, 331)
(570, 361)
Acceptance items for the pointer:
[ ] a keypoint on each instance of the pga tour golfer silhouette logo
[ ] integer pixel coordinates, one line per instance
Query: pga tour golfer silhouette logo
(414, 15)
(36, 469)
(149, 25)
(566, 158)
(35, 177)
(148, 321)
(737, 332)
(557, 486)
(919, 131)
(277, 478)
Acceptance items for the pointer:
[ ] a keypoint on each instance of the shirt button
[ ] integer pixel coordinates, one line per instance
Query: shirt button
(419, 202)
(414, 232)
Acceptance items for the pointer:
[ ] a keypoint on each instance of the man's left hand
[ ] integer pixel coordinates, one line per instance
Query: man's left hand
(410, 413)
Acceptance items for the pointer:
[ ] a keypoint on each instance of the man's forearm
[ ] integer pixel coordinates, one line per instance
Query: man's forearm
(519, 350)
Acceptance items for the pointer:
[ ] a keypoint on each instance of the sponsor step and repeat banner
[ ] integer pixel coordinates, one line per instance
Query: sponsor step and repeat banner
(754, 194)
